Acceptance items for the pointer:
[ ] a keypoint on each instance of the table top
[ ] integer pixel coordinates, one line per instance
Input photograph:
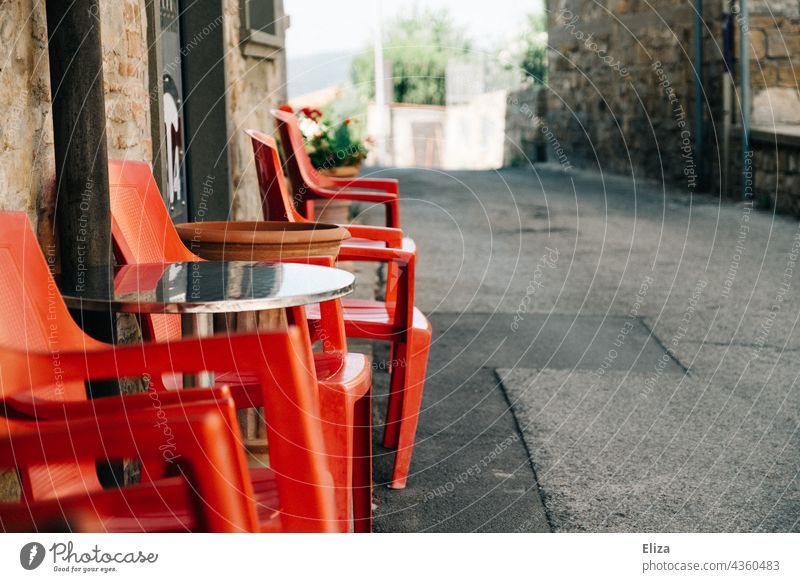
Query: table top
(202, 287)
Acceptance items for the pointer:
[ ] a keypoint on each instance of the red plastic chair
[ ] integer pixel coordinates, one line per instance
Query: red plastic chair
(309, 185)
(212, 492)
(395, 320)
(143, 232)
(45, 359)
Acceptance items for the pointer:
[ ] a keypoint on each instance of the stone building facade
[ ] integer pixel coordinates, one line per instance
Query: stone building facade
(254, 83)
(775, 121)
(622, 91)
(622, 87)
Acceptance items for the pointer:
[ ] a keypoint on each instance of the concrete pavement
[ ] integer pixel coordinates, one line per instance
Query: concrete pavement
(645, 340)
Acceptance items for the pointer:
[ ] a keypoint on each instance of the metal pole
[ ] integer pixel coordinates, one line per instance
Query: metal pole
(380, 93)
(727, 85)
(82, 211)
(744, 62)
(698, 91)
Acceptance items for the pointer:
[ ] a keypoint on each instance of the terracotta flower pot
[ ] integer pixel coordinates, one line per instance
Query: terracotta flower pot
(335, 211)
(262, 240)
(341, 171)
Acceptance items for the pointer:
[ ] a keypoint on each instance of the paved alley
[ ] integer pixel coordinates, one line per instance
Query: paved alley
(608, 356)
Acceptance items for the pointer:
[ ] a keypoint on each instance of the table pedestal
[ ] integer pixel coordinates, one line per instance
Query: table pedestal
(251, 420)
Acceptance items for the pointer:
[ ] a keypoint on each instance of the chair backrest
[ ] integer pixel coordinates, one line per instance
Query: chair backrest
(33, 316)
(142, 228)
(143, 232)
(35, 319)
(277, 205)
(301, 171)
(276, 202)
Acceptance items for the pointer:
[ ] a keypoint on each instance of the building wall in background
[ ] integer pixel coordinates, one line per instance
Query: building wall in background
(775, 40)
(775, 120)
(255, 85)
(622, 94)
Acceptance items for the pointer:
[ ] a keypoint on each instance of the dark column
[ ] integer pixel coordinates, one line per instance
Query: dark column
(205, 110)
(79, 132)
(82, 212)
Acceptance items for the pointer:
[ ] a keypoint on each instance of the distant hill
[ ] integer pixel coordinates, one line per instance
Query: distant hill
(314, 72)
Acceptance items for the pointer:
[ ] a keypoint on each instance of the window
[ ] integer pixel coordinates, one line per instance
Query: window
(263, 25)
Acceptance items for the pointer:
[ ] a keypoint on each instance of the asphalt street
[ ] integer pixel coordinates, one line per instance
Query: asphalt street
(628, 348)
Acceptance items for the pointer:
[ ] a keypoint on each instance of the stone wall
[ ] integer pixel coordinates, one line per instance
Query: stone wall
(526, 130)
(27, 165)
(621, 87)
(621, 95)
(774, 35)
(777, 171)
(255, 85)
(775, 40)
(124, 30)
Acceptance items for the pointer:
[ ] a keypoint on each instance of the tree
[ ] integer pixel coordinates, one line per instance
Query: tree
(533, 60)
(418, 46)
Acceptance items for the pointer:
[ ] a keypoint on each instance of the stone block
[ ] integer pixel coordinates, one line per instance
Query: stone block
(758, 42)
(788, 73)
(781, 43)
(793, 161)
(776, 105)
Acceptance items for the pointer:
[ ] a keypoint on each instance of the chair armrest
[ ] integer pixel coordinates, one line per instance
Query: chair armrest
(392, 201)
(232, 353)
(393, 237)
(388, 185)
(356, 195)
(400, 287)
(27, 405)
(376, 255)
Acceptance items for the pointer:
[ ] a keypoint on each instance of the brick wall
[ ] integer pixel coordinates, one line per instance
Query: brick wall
(27, 166)
(124, 30)
(775, 39)
(254, 85)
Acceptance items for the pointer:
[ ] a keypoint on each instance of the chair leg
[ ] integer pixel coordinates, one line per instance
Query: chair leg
(337, 427)
(416, 366)
(362, 465)
(394, 409)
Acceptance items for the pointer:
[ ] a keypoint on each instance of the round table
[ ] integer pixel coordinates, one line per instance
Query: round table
(203, 287)
(200, 289)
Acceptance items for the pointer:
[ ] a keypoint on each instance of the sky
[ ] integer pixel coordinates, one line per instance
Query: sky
(320, 26)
